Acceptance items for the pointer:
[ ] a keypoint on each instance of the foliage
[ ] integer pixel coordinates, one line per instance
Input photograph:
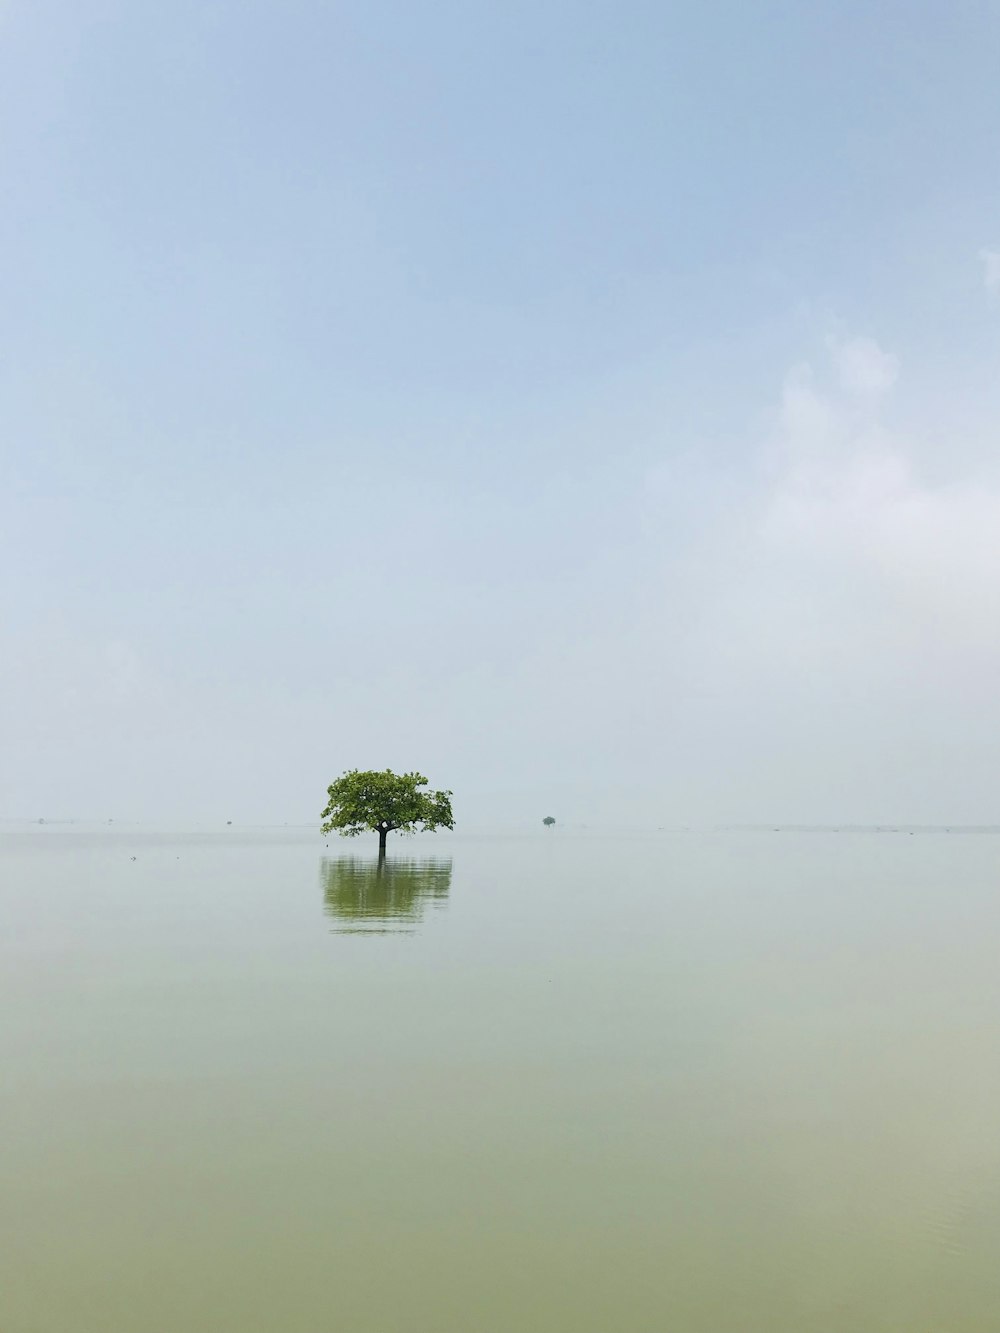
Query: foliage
(548, 821)
(384, 802)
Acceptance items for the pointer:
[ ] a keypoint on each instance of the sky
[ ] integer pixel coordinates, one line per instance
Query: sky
(593, 406)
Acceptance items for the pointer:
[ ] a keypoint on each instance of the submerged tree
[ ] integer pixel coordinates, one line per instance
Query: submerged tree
(382, 803)
(548, 821)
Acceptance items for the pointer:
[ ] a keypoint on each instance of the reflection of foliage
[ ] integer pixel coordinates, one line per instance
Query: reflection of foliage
(385, 895)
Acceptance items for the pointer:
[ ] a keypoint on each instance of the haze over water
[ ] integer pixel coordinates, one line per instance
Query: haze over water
(558, 1083)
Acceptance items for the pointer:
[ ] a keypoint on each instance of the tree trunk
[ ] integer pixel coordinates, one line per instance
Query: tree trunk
(383, 833)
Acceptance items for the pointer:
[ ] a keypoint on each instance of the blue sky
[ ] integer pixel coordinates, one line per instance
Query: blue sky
(593, 406)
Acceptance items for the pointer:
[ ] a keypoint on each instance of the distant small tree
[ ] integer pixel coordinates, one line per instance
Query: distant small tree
(383, 802)
(548, 821)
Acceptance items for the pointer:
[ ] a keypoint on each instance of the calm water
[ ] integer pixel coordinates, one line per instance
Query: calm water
(730, 1083)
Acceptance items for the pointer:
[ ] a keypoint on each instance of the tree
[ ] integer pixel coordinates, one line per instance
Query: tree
(548, 821)
(384, 802)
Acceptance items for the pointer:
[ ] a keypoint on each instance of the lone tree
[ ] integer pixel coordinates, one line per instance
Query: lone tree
(548, 821)
(383, 802)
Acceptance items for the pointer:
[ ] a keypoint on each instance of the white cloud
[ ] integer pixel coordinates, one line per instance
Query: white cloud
(833, 639)
(861, 366)
(847, 492)
(991, 270)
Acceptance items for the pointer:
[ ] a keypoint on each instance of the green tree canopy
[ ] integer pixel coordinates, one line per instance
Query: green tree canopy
(382, 803)
(548, 821)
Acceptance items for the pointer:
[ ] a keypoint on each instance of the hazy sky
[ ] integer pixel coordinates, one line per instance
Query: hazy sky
(592, 405)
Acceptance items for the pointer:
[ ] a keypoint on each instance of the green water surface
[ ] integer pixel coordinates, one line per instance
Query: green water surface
(556, 1083)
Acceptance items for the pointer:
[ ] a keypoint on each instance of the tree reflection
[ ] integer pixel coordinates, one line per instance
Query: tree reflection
(382, 897)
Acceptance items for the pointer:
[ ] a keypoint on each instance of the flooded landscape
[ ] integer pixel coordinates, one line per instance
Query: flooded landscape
(564, 1082)
(547, 454)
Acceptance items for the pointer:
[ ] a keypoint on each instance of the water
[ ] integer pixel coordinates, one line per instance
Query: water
(704, 1083)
